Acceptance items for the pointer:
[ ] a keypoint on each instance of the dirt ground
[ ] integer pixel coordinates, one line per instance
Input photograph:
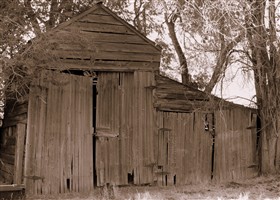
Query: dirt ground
(264, 187)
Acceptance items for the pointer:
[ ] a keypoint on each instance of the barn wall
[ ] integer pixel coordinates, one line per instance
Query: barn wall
(12, 139)
(183, 149)
(184, 146)
(59, 135)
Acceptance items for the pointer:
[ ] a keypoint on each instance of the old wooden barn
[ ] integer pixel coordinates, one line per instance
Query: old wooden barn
(103, 115)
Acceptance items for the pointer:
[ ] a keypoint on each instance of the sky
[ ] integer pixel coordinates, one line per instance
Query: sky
(237, 87)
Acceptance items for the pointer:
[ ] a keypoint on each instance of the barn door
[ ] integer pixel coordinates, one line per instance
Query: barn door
(236, 144)
(113, 127)
(184, 148)
(59, 135)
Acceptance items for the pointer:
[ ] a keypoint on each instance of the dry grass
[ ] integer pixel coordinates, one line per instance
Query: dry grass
(258, 188)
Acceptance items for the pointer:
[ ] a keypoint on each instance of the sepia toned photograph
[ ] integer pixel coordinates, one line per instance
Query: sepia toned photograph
(139, 99)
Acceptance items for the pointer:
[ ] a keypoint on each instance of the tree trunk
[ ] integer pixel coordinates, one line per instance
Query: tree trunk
(186, 78)
(266, 69)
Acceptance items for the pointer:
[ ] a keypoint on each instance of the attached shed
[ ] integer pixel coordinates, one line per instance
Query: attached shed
(103, 115)
(202, 138)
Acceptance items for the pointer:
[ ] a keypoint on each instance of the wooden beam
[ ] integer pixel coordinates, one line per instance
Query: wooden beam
(113, 66)
(7, 188)
(104, 46)
(107, 55)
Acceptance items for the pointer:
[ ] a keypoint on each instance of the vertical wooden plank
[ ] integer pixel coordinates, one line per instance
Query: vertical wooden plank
(124, 156)
(184, 148)
(76, 121)
(30, 138)
(218, 149)
(224, 136)
(140, 128)
(80, 135)
(189, 128)
(89, 139)
(136, 138)
(20, 139)
(53, 142)
(65, 152)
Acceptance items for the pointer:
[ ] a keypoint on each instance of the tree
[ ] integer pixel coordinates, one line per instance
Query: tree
(203, 33)
(263, 49)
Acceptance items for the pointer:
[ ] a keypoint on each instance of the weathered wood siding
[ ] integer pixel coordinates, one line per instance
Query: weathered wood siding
(235, 144)
(125, 128)
(171, 95)
(59, 135)
(12, 139)
(183, 149)
(144, 128)
(100, 40)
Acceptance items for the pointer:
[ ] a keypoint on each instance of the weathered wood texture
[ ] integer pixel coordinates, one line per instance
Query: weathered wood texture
(235, 146)
(144, 128)
(7, 154)
(100, 40)
(19, 153)
(125, 128)
(15, 112)
(173, 96)
(59, 135)
(12, 138)
(183, 149)
(185, 143)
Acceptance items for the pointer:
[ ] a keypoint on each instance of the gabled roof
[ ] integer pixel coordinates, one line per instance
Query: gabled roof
(100, 5)
(98, 39)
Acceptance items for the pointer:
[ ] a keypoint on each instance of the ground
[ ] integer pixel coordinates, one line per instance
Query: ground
(263, 187)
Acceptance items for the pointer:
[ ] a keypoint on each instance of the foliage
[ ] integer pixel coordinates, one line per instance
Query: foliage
(20, 22)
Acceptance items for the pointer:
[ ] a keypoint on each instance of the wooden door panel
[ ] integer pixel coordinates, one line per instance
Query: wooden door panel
(59, 135)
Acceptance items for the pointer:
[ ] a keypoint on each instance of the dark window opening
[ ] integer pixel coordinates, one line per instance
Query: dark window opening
(88, 73)
(68, 183)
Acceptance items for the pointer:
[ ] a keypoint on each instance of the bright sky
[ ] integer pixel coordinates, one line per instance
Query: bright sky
(240, 89)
